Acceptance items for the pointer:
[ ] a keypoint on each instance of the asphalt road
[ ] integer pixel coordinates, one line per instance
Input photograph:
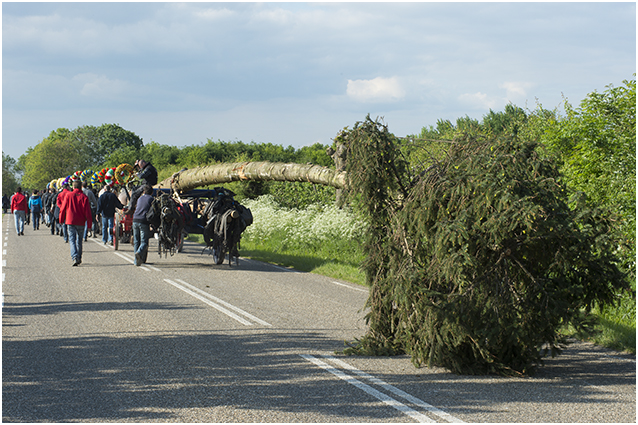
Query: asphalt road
(183, 340)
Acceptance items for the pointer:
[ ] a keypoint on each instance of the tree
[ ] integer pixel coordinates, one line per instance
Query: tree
(9, 180)
(476, 262)
(596, 145)
(58, 155)
(106, 145)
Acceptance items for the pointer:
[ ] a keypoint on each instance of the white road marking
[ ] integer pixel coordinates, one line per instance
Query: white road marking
(131, 261)
(101, 244)
(350, 286)
(4, 263)
(419, 417)
(232, 307)
(394, 390)
(210, 303)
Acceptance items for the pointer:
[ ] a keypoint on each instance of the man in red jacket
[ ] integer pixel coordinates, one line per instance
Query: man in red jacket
(19, 210)
(75, 212)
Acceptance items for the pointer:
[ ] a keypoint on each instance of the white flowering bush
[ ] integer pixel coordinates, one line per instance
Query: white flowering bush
(312, 228)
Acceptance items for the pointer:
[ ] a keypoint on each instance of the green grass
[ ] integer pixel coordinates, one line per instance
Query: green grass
(615, 327)
(324, 262)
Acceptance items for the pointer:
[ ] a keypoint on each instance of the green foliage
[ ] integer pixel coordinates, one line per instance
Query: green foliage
(300, 195)
(9, 180)
(54, 157)
(481, 261)
(596, 144)
(65, 151)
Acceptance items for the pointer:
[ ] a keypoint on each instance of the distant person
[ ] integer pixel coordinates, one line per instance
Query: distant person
(63, 228)
(141, 228)
(75, 211)
(19, 210)
(93, 202)
(35, 205)
(5, 204)
(106, 205)
(47, 204)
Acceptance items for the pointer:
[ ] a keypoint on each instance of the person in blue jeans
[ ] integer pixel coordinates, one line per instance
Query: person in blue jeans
(141, 229)
(35, 206)
(106, 205)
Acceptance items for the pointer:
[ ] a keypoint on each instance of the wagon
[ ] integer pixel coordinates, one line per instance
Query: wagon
(213, 213)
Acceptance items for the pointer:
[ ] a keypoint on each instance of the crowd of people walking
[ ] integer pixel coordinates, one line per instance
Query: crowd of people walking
(77, 212)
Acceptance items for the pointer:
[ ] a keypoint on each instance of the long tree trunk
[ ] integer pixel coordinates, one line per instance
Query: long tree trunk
(260, 171)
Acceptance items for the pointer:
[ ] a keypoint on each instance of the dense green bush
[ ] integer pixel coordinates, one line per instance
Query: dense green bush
(476, 263)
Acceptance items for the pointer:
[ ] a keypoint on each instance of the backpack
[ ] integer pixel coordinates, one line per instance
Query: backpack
(36, 205)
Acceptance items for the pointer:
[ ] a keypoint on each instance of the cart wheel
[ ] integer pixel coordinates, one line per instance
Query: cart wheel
(218, 254)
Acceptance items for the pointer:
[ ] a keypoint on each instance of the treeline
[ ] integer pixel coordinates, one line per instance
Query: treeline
(594, 145)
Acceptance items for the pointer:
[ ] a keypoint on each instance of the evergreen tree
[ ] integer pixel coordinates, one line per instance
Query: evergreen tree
(475, 263)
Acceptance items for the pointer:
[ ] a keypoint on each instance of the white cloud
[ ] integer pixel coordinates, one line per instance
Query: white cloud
(515, 90)
(480, 100)
(99, 86)
(376, 90)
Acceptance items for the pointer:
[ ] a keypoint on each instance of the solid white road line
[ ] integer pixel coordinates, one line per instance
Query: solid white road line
(131, 261)
(419, 417)
(394, 390)
(210, 303)
(350, 286)
(232, 307)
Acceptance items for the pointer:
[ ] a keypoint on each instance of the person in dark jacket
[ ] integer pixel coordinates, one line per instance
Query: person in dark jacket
(141, 228)
(48, 202)
(5, 204)
(64, 229)
(55, 213)
(148, 175)
(106, 205)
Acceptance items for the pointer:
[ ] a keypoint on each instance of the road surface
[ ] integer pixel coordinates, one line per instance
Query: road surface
(183, 340)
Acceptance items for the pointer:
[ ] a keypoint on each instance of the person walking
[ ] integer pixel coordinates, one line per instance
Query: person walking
(141, 229)
(5, 204)
(63, 228)
(35, 205)
(148, 175)
(75, 212)
(92, 201)
(48, 211)
(106, 204)
(19, 210)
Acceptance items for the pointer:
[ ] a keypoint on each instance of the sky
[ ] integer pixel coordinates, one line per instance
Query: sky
(294, 74)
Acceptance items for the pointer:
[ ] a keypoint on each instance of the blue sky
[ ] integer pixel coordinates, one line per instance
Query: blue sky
(296, 73)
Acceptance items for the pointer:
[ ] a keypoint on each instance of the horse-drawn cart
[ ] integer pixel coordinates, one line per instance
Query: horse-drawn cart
(213, 213)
